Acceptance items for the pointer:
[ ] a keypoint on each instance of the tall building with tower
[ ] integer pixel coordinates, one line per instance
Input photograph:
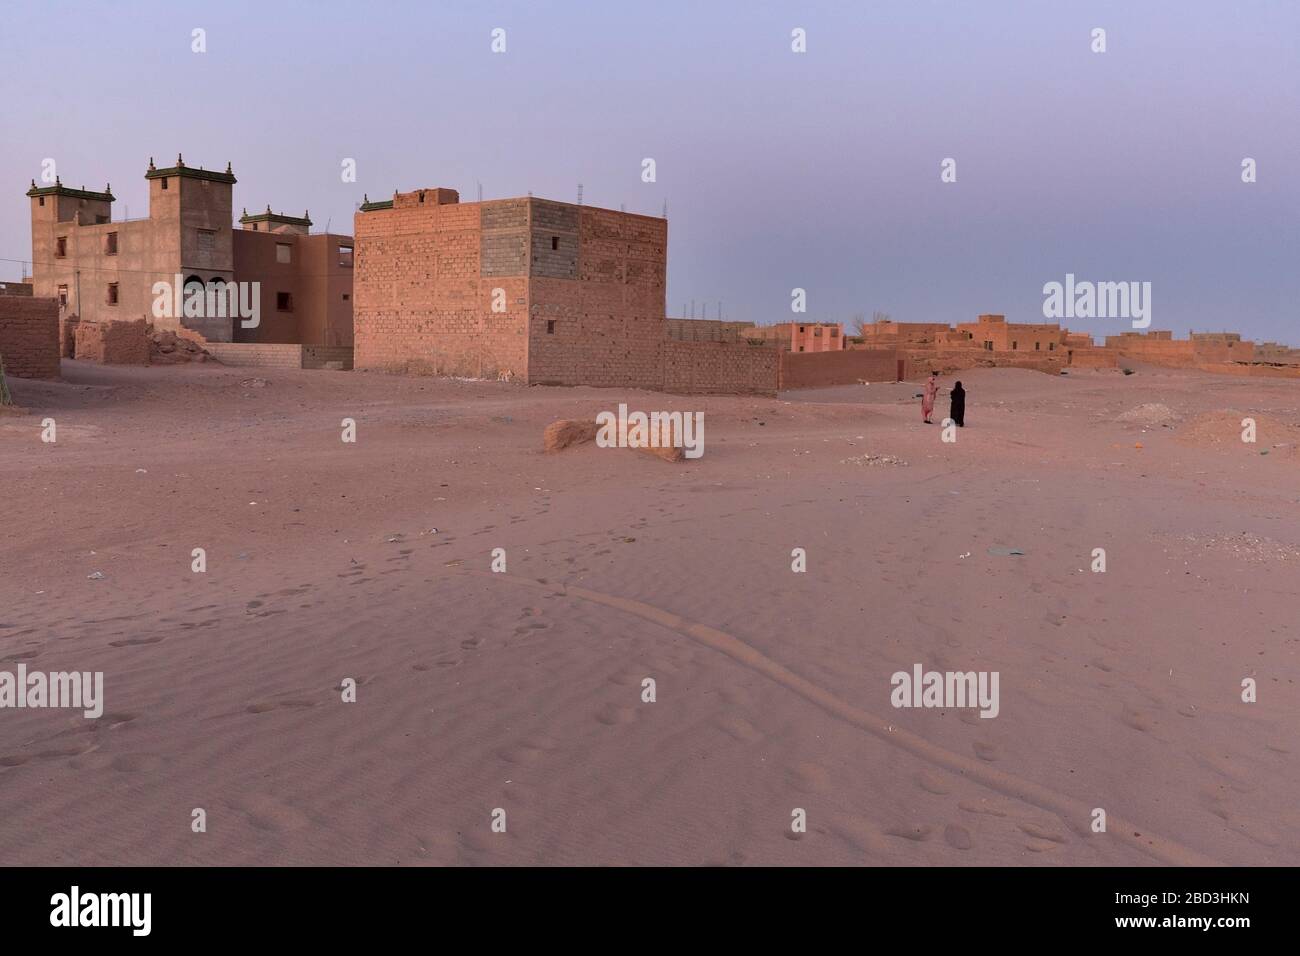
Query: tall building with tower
(104, 271)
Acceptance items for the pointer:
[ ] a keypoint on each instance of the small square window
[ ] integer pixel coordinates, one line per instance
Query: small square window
(61, 247)
(112, 293)
(550, 326)
(347, 297)
(284, 302)
(283, 252)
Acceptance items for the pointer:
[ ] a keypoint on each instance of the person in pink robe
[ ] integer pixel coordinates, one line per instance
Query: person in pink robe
(927, 399)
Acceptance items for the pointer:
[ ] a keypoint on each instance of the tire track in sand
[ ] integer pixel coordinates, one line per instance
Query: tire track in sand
(1070, 811)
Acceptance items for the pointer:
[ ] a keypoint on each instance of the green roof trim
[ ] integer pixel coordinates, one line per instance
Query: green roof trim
(369, 206)
(58, 189)
(190, 172)
(269, 216)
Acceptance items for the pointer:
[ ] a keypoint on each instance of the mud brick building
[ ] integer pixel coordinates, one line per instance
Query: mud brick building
(800, 336)
(103, 271)
(29, 332)
(529, 289)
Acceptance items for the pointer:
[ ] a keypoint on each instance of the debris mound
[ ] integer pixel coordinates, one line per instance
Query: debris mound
(873, 460)
(564, 433)
(166, 348)
(1151, 413)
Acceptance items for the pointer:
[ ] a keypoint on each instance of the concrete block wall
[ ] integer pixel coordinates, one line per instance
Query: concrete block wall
(319, 356)
(253, 355)
(724, 368)
(29, 336)
(606, 327)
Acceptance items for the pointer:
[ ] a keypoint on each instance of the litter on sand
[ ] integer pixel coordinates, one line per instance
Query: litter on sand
(1005, 551)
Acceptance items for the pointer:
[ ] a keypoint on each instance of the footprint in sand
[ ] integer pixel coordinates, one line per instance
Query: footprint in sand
(1041, 834)
(1041, 846)
(859, 833)
(136, 763)
(611, 714)
(527, 751)
(265, 812)
(1137, 720)
(985, 751)
(808, 778)
(741, 729)
(75, 751)
(917, 834)
(957, 837)
(932, 783)
(982, 806)
(266, 706)
(471, 643)
(109, 721)
(136, 642)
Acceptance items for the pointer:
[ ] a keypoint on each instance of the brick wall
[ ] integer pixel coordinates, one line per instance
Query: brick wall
(1093, 358)
(426, 278)
(113, 343)
(318, 356)
(727, 368)
(29, 336)
(705, 330)
(256, 355)
(818, 369)
(605, 327)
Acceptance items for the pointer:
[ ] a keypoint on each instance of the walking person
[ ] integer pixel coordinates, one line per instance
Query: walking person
(957, 410)
(927, 399)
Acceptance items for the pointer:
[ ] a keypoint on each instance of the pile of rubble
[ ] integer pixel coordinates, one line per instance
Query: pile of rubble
(166, 347)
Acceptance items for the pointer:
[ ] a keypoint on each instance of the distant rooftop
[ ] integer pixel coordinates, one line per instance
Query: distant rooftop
(190, 172)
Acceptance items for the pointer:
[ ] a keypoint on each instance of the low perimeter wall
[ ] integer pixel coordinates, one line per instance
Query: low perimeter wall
(848, 367)
(251, 355)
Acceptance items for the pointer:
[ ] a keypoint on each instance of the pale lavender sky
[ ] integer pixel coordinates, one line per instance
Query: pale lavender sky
(818, 170)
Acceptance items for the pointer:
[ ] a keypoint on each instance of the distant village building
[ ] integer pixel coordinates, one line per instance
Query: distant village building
(800, 336)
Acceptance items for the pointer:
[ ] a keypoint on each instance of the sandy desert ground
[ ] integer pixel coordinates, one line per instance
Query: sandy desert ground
(522, 691)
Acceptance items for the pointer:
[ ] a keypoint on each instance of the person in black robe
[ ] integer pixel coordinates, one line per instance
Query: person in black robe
(957, 410)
